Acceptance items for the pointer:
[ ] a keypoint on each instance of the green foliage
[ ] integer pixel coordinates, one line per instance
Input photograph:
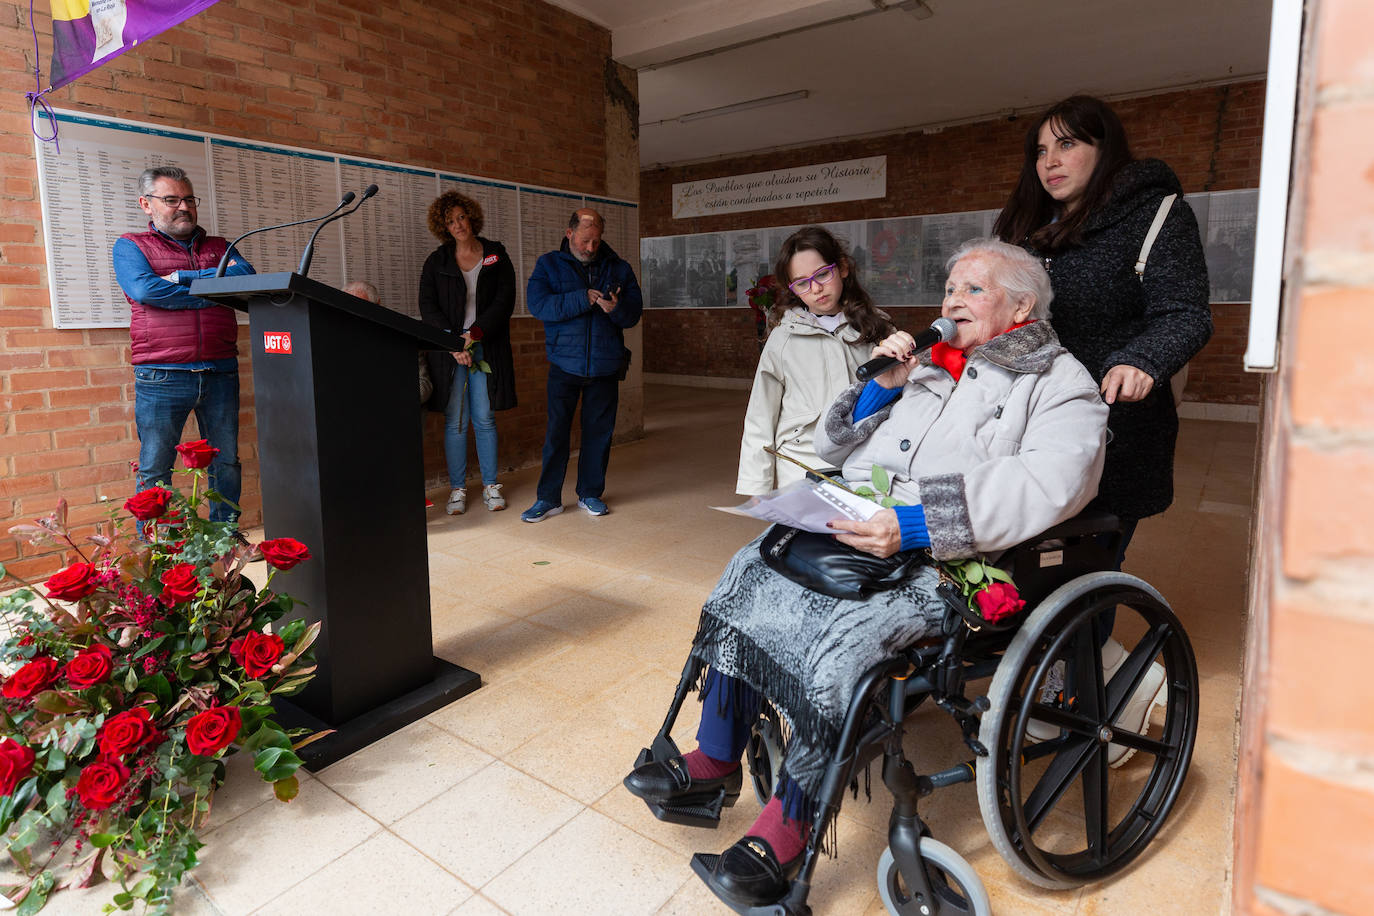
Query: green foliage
(173, 659)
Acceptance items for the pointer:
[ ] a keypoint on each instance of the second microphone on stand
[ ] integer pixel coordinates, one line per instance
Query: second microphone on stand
(304, 269)
(941, 330)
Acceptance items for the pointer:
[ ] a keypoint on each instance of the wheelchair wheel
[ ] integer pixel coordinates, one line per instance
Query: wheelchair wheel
(764, 753)
(1054, 807)
(955, 885)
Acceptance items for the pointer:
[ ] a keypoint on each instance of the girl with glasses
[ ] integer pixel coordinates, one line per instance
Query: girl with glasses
(824, 327)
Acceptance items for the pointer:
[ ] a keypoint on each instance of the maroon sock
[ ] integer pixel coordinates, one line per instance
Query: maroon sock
(787, 838)
(699, 766)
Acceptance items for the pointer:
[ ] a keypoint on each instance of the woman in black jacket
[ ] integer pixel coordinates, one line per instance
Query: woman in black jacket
(1085, 206)
(468, 285)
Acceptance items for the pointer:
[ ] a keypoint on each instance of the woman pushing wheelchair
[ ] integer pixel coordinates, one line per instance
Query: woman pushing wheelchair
(987, 440)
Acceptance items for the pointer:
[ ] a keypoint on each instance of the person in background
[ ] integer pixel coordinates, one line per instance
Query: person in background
(586, 296)
(468, 285)
(825, 326)
(184, 348)
(1085, 206)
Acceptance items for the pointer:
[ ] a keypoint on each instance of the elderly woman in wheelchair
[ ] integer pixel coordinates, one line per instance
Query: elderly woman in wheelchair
(988, 441)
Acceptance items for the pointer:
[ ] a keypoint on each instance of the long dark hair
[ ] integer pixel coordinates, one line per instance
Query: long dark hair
(872, 323)
(1029, 211)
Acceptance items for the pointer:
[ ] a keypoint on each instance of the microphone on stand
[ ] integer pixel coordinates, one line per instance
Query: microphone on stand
(941, 330)
(309, 252)
(347, 199)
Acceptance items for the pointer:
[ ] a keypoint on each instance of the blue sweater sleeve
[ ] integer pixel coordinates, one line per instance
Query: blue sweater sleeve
(135, 276)
(912, 520)
(874, 398)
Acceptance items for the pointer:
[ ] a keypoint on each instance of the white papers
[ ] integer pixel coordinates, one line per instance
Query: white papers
(807, 505)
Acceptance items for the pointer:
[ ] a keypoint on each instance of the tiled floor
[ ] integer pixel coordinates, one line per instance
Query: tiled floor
(509, 800)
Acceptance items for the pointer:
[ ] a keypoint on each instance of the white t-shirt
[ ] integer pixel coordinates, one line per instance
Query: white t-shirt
(829, 322)
(470, 280)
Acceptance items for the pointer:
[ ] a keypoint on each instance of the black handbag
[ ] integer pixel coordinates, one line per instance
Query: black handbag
(825, 565)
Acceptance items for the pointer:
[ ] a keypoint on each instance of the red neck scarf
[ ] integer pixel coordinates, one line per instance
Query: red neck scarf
(952, 360)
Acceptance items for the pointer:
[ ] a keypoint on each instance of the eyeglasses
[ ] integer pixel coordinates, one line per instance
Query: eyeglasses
(819, 278)
(175, 202)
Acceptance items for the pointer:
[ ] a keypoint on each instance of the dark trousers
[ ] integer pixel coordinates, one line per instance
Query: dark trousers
(600, 398)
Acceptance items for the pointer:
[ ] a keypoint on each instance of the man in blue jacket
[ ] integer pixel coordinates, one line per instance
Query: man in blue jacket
(586, 296)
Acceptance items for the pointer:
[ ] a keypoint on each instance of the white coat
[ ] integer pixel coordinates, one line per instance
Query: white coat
(1013, 448)
(801, 371)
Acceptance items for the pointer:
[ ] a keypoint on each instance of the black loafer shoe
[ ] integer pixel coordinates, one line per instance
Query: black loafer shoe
(667, 782)
(750, 874)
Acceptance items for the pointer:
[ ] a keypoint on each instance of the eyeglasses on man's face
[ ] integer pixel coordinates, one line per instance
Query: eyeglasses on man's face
(821, 277)
(175, 202)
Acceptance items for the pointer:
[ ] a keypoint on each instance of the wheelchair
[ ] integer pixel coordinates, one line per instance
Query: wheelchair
(1040, 738)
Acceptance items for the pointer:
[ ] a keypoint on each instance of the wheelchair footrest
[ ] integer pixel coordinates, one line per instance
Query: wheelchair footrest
(703, 814)
(700, 811)
(704, 863)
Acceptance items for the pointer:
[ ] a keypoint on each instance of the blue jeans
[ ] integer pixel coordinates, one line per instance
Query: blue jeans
(163, 399)
(469, 399)
(600, 399)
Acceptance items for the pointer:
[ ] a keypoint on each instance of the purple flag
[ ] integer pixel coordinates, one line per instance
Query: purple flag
(86, 33)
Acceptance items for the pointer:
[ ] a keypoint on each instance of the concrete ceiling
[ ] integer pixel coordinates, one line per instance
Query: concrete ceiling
(873, 66)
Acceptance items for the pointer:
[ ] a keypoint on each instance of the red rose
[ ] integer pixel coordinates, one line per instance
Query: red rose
(90, 666)
(213, 730)
(99, 785)
(148, 504)
(474, 333)
(284, 553)
(179, 584)
(126, 732)
(73, 583)
(197, 454)
(16, 763)
(998, 600)
(31, 678)
(257, 652)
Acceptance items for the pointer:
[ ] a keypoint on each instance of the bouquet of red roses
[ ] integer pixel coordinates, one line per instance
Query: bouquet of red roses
(129, 674)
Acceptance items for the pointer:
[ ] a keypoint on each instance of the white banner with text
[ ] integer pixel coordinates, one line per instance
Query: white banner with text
(853, 179)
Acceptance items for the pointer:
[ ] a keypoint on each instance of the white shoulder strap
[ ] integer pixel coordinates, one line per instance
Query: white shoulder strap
(1150, 236)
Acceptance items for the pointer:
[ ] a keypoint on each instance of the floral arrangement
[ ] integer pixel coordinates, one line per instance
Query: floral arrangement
(474, 346)
(987, 590)
(133, 672)
(762, 295)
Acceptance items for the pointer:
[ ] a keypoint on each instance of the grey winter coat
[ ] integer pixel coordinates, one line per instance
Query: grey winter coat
(1011, 449)
(1106, 316)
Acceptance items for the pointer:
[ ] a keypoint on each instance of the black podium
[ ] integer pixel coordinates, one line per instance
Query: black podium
(336, 392)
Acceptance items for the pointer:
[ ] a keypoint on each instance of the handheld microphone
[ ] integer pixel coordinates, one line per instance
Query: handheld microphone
(941, 330)
(309, 252)
(347, 199)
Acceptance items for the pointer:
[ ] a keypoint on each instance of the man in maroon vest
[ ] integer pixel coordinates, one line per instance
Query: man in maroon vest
(185, 352)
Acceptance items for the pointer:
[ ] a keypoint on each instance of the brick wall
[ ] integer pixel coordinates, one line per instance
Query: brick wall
(1305, 801)
(1211, 137)
(483, 88)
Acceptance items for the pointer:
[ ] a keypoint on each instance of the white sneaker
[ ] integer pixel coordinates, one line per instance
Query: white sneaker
(1036, 730)
(492, 498)
(1135, 717)
(457, 502)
